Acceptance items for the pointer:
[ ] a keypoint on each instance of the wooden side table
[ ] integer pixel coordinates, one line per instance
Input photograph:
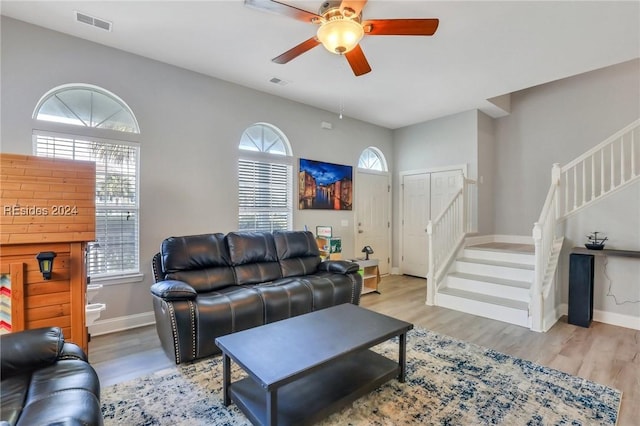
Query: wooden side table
(370, 275)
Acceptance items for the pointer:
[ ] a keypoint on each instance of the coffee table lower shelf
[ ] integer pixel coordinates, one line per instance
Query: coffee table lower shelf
(318, 394)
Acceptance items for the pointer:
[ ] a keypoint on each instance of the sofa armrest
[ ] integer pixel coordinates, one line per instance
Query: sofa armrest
(30, 349)
(173, 290)
(339, 266)
(72, 351)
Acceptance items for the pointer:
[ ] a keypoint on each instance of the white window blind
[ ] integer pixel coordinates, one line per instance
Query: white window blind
(116, 249)
(264, 195)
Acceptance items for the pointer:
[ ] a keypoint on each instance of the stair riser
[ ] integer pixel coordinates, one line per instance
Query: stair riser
(487, 310)
(491, 289)
(527, 259)
(495, 271)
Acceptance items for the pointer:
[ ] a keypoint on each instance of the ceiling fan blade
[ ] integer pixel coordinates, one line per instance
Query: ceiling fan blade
(413, 27)
(283, 9)
(357, 60)
(355, 5)
(296, 51)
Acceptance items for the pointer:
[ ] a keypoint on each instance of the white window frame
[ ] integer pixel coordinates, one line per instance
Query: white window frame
(379, 155)
(74, 131)
(266, 157)
(120, 276)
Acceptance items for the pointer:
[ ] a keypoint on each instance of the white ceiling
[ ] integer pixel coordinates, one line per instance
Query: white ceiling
(482, 49)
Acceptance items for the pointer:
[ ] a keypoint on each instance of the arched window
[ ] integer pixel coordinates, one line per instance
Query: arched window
(115, 253)
(87, 106)
(263, 137)
(265, 189)
(372, 159)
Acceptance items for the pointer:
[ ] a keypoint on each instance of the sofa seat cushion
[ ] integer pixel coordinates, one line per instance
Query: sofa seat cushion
(285, 298)
(253, 256)
(330, 289)
(224, 312)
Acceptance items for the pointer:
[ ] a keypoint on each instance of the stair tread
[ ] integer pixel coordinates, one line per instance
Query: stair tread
(501, 301)
(500, 250)
(493, 280)
(498, 263)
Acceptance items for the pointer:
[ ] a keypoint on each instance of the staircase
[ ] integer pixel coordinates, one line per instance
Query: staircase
(491, 282)
(513, 283)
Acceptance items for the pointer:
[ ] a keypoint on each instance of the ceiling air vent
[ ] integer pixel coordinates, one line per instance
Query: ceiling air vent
(278, 81)
(93, 21)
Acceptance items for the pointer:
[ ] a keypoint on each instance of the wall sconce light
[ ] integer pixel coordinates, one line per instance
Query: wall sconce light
(45, 261)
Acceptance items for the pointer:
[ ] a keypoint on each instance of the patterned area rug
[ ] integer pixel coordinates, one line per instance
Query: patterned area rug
(449, 382)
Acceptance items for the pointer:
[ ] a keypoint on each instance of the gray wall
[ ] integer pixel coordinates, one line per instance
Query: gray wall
(446, 141)
(555, 123)
(190, 129)
(486, 173)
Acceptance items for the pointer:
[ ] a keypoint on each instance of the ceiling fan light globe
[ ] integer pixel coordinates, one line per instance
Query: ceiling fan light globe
(340, 36)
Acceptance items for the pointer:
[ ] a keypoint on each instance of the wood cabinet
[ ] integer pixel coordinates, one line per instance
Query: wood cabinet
(370, 275)
(47, 205)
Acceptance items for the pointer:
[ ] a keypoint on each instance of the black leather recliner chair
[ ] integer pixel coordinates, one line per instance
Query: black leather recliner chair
(210, 285)
(46, 381)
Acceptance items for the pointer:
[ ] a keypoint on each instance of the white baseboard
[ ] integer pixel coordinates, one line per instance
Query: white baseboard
(620, 320)
(611, 318)
(550, 319)
(128, 322)
(395, 271)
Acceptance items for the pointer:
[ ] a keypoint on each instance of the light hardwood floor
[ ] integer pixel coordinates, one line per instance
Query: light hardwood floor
(603, 353)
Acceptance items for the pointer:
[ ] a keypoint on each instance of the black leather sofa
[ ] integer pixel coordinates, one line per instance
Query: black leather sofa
(46, 381)
(210, 285)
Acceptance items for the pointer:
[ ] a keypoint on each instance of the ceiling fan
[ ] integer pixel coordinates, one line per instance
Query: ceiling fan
(341, 28)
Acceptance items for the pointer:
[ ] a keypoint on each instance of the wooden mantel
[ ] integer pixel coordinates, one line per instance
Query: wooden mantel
(47, 205)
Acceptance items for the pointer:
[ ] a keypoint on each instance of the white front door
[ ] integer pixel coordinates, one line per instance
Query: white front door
(373, 216)
(416, 206)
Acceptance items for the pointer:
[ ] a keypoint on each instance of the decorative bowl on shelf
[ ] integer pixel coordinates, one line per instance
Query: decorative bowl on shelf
(594, 246)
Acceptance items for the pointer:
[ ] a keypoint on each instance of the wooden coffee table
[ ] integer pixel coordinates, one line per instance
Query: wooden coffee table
(304, 368)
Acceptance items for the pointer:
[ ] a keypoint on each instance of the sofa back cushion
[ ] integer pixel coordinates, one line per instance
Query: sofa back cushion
(201, 261)
(253, 256)
(297, 252)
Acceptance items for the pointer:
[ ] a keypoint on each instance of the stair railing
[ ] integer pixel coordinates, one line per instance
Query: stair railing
(608, 166)
(446, 234)
(544, 233)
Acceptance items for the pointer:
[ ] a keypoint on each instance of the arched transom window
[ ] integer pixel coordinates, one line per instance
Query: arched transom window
(86, 106)
(265, 188)
(372, 159)
(263, 137)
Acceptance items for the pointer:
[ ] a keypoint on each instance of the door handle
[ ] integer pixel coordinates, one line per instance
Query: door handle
(360, 231)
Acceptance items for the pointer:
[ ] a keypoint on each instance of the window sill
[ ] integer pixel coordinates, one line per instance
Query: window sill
(118, 279)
